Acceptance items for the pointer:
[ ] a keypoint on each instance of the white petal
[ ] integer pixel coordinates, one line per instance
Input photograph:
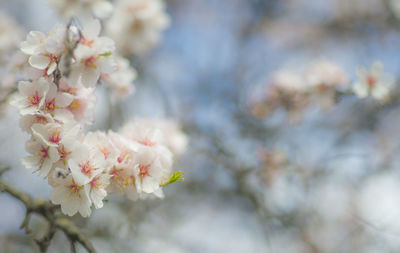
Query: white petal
(90, 76)
(39, 61)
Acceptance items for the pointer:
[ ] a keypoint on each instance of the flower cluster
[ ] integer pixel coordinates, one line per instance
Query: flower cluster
(136, 25)
(83, 168)
(321, 82)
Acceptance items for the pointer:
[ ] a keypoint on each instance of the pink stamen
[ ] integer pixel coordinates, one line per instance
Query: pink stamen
(371, 80)
(55, 137)
(143, 170)
(34, 99)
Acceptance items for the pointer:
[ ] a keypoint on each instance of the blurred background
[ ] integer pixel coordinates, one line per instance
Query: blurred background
(329, 183)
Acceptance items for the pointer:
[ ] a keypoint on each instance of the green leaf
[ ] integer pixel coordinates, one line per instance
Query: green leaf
(106, 54)
(176, 177)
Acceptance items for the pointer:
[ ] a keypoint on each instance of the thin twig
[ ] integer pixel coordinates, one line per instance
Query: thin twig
(48, 212)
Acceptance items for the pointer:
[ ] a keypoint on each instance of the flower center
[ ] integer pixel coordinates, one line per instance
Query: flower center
(43, 153)
(75, 105)
(104, 151)
(86, 42)
(90, 62)
(146, 142)
(371, 81)
(34, 100)
(74, 188)
(95, 182)
(50, 106)
(87, 168)
(55, 137)
(143, 170)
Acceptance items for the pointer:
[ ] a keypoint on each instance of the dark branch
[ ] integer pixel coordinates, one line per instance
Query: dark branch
(48, 212)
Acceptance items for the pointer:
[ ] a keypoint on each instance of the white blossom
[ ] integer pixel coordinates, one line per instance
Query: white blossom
(121, 80)
(41, 156)
(374, 82)
(56, 104)
(136, 25)
(93, 56)
(87, 164)
(82, 105)
(72, 197)
(157, 130)
(31, 96)
(325, 74)
(44, 50)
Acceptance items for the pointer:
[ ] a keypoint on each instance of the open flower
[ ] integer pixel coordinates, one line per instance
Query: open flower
(44, 50)
(374, 82)
(120, 81)
(97, 189)
(72, 197)
(82, 105)
(93, 56)
(87, 164)
(136, 25)
(41, 156)
(31, 96)
(54, 133)
(151, 170)
(153, 131)
(27, 121)
(56, 104)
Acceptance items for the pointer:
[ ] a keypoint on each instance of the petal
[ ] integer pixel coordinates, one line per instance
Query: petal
(45, 168)
(64, 99)
(39, 61)
(90, 76)
(31, 162)
(52, 67)
(63, 115)
(53, 154)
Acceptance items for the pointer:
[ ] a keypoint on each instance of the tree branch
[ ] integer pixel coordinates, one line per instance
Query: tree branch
(49, 212)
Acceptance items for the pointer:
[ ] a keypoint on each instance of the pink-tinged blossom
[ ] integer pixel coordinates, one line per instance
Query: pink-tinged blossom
(31, 96)
(27, 121)
(44, 50)
(104, 145)
(97, 189)
(324, 74)
(169, 133)
(54, 133)
(72, 197)
(136, 25)
(324, 79)
(41, 156)
(151, 169)
(123, 171)
(93, 56)
(374, 82)
(120, 81)
(56, 104)
(82, 105)
(87, 164)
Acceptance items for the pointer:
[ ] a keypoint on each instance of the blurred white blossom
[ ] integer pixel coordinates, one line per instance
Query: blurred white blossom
(374, 82)
(136, 25)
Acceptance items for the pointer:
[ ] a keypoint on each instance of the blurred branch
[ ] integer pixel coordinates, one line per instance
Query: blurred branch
(47, 211)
